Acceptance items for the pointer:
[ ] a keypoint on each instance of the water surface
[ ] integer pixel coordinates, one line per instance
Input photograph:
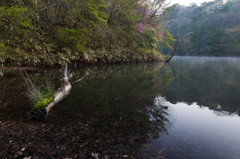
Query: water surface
(188, 109)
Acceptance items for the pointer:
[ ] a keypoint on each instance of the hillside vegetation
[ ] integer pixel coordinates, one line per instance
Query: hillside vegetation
(50, 32)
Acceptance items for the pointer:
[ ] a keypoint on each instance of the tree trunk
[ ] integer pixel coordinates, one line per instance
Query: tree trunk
(59, 95)
(168, 60)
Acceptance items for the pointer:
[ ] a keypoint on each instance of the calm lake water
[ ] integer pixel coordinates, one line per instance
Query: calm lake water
(188, 109)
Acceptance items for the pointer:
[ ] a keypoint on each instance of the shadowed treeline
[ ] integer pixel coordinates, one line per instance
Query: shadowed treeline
(211, 29)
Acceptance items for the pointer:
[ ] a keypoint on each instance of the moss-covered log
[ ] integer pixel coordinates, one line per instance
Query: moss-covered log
(59, 95)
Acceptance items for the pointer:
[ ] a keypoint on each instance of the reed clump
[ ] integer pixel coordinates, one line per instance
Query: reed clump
(39, 95)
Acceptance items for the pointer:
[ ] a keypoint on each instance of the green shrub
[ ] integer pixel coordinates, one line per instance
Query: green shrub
(3, 49)
(12, 19)
(72, 38)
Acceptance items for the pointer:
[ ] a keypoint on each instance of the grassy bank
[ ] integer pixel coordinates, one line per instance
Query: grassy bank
(117, 55)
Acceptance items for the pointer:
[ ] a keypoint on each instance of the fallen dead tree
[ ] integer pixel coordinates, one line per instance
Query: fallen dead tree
(62, 92)
(20, 70)
(59, 95)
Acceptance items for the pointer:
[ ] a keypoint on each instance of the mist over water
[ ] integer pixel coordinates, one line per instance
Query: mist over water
(208, 81)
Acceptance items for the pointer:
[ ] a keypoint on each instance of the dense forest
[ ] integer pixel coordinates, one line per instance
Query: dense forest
(50, 32)
(212, 29)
